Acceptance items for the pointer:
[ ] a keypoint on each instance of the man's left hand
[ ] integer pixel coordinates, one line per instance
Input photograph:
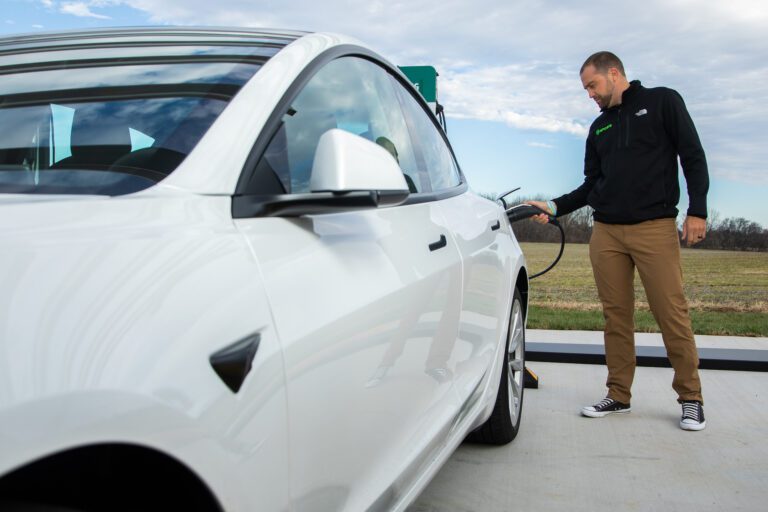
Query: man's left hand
(694, 229)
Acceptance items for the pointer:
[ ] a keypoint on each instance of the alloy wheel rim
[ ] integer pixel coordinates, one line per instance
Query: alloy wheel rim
(515, 362)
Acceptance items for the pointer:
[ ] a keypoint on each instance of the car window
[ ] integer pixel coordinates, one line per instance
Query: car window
(351, 94)
(108, 129)
(440, 166)
(57, 80)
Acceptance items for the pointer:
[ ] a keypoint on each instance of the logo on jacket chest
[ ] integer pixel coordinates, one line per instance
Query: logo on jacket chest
(603, 129)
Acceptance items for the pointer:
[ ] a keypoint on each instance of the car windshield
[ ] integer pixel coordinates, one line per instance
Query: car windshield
(107, 129)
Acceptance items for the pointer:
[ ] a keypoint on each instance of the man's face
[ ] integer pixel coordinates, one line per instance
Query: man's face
(599, 86)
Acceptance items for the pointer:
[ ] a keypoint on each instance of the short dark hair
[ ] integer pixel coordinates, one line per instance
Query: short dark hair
(603, 61)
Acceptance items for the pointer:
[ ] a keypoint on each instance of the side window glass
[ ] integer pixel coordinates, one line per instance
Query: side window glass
(438, 160)
(351, 94)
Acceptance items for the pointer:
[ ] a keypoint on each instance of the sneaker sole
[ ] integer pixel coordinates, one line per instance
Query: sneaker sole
(688, 426)
(595, 414)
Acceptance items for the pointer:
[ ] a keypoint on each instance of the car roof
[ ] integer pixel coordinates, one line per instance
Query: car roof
(146, 36)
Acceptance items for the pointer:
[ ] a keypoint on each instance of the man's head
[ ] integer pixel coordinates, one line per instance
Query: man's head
(603, 77)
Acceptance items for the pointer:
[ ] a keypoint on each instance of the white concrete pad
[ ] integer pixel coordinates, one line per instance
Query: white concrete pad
(639, 461)
(649, 339)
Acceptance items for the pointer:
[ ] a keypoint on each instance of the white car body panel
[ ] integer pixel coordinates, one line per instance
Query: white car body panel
(357, 299)
(487, 294)
(109, 312)
(492, 261)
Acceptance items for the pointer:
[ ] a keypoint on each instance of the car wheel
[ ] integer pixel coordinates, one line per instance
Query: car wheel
(504, 422)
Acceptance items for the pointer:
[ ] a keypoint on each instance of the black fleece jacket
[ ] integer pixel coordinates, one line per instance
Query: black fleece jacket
(630, 163)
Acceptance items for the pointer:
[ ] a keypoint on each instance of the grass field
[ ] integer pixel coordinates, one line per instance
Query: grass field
(726, 290)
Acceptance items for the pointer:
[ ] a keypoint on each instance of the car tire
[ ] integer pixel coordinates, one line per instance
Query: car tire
(504, 423)
(28, 506)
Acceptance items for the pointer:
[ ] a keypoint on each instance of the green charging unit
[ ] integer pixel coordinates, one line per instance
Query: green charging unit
(425, 80)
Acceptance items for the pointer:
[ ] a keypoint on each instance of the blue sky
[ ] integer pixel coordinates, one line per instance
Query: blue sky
(517, 115)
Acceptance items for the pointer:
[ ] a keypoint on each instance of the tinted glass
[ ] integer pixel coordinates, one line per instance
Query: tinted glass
(437, 158)
(116, 129)
(103, 77)
(349, 93)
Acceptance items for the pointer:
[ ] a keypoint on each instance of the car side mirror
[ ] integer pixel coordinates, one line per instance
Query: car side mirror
(345, 162)
(348, 173)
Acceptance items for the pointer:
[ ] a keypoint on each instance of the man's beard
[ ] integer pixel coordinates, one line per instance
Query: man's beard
(604, 101)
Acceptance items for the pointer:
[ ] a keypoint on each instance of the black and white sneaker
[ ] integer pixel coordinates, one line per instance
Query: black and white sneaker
(693, 416)
(605, 407)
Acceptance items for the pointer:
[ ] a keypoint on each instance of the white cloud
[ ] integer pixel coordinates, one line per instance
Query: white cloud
(81, 9)
(502, 93)
(542, 145)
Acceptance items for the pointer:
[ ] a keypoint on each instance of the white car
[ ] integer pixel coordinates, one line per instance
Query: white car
(241, 270)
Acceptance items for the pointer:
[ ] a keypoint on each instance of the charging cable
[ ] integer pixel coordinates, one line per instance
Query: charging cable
(524, 211)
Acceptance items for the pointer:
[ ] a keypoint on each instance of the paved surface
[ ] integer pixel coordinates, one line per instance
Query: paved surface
(639, 461)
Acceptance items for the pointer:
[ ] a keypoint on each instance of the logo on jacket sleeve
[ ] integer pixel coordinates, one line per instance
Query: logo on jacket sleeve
(641, 112)
(604, 128)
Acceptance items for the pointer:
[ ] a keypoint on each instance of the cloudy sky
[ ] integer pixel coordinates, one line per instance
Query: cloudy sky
(517, 115)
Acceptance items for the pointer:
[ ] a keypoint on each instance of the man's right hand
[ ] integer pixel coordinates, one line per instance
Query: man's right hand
(540, 218)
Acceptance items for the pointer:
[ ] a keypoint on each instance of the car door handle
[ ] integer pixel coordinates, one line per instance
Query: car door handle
(496, 226)
(439, 244)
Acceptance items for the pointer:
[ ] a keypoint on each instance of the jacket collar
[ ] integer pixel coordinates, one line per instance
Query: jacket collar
(627, 96)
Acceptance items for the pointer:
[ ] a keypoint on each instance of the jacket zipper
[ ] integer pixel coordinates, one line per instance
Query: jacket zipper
(628, 122)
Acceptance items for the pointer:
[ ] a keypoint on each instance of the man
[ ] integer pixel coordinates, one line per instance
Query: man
(630, 169)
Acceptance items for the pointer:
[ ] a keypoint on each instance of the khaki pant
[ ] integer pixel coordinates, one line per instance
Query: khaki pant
(653, 247)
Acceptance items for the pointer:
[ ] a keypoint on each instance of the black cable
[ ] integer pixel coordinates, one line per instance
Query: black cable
(524, 211)
(562, 247)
